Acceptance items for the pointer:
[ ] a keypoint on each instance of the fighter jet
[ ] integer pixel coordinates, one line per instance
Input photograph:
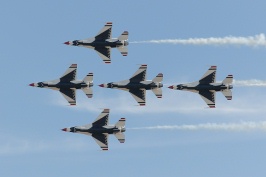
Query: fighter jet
(100, 129)
(67, 84)
(103, 42)
(207, 87)
(137, 85)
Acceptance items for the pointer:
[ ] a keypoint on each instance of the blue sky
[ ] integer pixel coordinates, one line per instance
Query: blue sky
(32, 50)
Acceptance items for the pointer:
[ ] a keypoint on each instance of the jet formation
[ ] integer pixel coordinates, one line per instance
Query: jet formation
(137, 85)
(103, 42)
(67, 84)
(100, 129)
(207, 87)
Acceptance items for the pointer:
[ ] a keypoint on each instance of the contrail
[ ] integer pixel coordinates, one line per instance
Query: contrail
(243, 126)
(239, 83)
(257, 40)
(250, 83)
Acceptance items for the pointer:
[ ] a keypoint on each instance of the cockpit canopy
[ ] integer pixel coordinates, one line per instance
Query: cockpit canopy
(73, 129)
(179, 87)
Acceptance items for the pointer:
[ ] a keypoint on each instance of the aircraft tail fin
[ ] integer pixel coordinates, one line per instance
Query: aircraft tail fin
(228, 79)
(123, 50)
(120, 136)
(228, 94)
(88, 91)
(121, 123)
(123, 36)
(158, 78)
(158, 92)
(88, 78)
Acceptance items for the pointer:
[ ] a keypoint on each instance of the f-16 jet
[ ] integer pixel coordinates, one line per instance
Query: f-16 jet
(207, 87)
(67, 84)
(137, 85)
(103, 42)
(100, 129)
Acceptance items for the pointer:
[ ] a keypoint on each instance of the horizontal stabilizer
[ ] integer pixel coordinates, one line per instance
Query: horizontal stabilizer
(121, 123)
(228, 94)
(228, 79)
(123, 36)
(120, 136)
(158, 78)
(157, 92)
(123, 50)
(87, 91)
(88, 78)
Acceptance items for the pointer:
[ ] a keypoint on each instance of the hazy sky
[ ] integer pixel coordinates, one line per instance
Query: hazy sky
(227, 141)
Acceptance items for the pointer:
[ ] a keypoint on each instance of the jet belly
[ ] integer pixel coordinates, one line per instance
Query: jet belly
(148, 85)
(101, 44)
(68, 85)
(210, 87)
(99, 130)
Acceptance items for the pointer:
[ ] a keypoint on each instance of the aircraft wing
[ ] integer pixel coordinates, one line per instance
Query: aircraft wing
(104, 53)
(208, 97)
(105, 32)
(139, 75)
(102, 119)
(70, 74)
(70, 95)
(101, 140)
(209, 76)
(139, 95)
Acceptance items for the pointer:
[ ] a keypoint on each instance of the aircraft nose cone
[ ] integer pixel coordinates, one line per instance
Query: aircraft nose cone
(32, 84)
(101, 85)
(67, 43)
(64, 129)
(171, 87)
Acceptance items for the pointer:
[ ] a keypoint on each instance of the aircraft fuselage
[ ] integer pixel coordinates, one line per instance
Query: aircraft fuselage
(97, 130)
(64, 85)
(99, 43)
(148, 85)
(207, 87)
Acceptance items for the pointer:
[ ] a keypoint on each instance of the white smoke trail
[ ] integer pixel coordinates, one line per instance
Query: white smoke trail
(250, 83)
(243, 126)
(257, 40)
